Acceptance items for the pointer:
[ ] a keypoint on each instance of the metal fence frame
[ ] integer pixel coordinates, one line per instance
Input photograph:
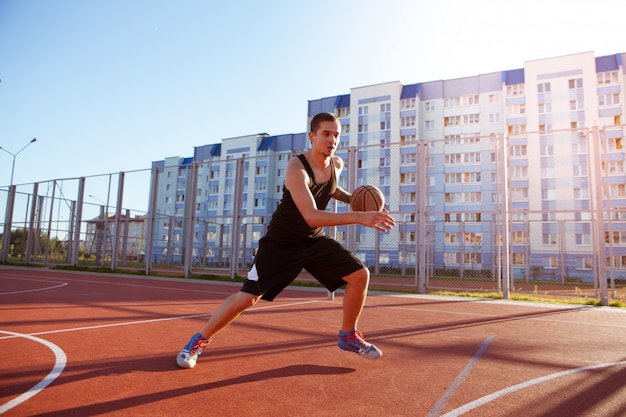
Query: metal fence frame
(413, 256)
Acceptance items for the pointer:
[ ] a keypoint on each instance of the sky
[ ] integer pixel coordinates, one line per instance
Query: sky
(112, 85)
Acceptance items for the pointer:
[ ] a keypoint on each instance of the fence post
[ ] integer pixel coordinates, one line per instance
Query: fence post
(31, 222)
(8, 220)
(598, 208)
(151, 218)
(237, 209)
(78, 220)
(421, 209)
(116, 221)
(192, 184)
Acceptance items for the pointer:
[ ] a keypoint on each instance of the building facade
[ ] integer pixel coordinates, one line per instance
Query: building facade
(529, 159)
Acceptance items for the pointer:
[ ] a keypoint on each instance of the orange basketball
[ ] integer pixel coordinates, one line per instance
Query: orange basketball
(367, 198)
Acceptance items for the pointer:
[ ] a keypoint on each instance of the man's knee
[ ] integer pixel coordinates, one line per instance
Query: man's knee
(246, 300)
(361, 276)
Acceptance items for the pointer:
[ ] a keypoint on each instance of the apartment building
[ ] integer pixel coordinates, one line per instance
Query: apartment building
(525, 164)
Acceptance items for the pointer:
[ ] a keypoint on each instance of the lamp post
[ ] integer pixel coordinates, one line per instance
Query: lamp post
(14, 155)
(6, 241)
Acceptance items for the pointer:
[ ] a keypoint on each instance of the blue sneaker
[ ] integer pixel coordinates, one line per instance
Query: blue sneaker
(353, 341)
(187, 357)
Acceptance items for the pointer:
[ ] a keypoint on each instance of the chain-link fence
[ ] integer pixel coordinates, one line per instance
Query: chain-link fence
(470, 216)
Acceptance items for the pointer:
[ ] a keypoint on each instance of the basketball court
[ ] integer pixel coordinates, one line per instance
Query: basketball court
(86, 344)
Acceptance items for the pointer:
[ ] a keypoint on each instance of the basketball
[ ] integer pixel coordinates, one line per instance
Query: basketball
(367, 198)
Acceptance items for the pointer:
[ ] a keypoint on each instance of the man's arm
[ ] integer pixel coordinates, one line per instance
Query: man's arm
(342, 195)
(297, 182)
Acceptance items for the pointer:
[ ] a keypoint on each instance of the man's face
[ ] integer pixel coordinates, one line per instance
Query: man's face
(326, 138)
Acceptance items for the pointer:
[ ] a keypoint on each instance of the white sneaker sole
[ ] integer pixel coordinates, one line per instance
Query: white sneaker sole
(186, 361)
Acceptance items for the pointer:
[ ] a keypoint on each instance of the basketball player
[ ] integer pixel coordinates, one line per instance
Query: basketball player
(295, 240)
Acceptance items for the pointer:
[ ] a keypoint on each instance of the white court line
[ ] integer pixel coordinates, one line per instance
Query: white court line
(452, 389)
(59, 285)
(59, 365)
(130, 323)
(498, 394)
(61, 358)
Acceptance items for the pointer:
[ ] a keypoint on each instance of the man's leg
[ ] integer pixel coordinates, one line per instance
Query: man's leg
(350, 338)
(228, 311)
(354, 297)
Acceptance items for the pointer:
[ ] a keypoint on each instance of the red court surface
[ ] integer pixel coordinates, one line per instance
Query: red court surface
(76, 344)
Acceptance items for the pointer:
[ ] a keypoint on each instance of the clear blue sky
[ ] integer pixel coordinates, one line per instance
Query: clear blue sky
(112, 85)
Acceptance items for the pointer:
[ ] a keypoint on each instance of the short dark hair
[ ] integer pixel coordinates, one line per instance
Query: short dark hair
(322, 117)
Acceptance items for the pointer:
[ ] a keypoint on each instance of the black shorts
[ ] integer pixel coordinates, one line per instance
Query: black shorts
(278, 263)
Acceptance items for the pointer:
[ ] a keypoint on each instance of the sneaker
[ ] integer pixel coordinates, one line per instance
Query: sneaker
(187, 357)
(353, 341)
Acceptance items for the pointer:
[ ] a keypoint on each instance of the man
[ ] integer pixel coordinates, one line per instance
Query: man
(295, 240)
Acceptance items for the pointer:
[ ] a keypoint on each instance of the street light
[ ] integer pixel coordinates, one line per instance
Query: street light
(14, 155)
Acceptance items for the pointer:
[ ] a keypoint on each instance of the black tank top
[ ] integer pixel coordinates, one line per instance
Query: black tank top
(287, 223)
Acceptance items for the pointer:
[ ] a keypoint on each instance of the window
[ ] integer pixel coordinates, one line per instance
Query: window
(617, 190)
(470, 100)
(429, 124)
(471, 119)
(609, 77)
(385, 125)
(581, 193)
(548, 194)
(579, 170)
(519, 237)
(343, 112)
(516, 109)
(608, 99)
(452, 102)
(519, 193)
(407, 139)
(583, 239)
(452, 121)
(579, 148)
(576, 105)
(519, 172)
(462, 178)
(584, 263)
(547, 150)
(494, 118)
(468, 197)
(429, 106)
(517, 129)
(575, 83)
(613, 167)
(545, 108)
(550, 239)
(518, 150)
(451, 237)
(363, 110)
(407, 121)
(518, 259)
(407, 178)
(407, 103)
(494, 98)
(515, 90)
(408, 158)
(543, 88)
(617, 238)
(551, 262)
(406, 198)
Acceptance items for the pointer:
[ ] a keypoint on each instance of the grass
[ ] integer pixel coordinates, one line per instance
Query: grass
(584, 300)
